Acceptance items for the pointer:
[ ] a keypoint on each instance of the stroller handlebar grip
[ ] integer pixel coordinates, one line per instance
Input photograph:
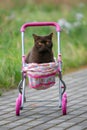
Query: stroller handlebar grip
(24, 26)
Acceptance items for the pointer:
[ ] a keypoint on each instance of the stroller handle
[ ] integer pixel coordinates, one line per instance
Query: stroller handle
(24, 26)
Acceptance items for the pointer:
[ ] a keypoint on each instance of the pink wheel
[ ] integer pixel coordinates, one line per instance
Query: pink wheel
(18, 107)
(64, 104)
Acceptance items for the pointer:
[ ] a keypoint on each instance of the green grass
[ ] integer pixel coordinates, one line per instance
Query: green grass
(14, 14)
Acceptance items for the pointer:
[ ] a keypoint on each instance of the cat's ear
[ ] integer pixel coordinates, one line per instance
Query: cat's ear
(35, 37)
(50, 35)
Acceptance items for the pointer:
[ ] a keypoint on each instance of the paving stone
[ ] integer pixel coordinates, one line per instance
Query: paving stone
(56, 128)
(77, 127)
(66, 125)
(4, 128)
(21, 127)
(41, 111)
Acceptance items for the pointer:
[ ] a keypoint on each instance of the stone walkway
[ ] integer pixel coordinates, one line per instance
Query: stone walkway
(41, 111)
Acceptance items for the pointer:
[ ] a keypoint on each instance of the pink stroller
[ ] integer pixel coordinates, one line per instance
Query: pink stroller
(41, 76)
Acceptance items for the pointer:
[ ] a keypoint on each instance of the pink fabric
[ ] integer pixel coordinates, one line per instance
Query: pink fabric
(41, 76)
(42, 86)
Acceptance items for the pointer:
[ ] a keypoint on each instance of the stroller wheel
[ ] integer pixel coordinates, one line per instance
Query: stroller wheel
(64, 104)
(18, 104)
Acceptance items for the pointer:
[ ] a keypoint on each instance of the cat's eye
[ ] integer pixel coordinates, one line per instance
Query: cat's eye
(39, 43)
(47, 43)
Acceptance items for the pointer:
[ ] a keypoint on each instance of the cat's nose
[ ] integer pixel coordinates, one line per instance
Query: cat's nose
(43, 45)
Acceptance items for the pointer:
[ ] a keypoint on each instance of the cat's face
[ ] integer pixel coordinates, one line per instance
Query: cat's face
(43, 43)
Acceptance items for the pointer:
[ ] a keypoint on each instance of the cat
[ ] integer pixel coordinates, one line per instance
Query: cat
(42, 50)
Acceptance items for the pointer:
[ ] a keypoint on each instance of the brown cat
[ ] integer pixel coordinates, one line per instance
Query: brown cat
(42, 50)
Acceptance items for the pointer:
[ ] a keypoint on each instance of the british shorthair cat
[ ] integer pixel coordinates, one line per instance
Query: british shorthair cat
(42, 50)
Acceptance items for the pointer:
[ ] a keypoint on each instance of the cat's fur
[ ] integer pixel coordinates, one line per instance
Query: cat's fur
(42, 50)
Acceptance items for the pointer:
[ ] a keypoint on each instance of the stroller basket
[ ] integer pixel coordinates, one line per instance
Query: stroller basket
(41, 76)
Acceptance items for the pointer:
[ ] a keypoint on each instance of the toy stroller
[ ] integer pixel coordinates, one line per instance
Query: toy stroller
(41, 76)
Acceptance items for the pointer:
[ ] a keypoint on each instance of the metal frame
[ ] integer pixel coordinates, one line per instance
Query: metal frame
(61, 82)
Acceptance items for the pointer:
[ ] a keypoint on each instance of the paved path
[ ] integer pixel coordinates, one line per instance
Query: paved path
(41, 112)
